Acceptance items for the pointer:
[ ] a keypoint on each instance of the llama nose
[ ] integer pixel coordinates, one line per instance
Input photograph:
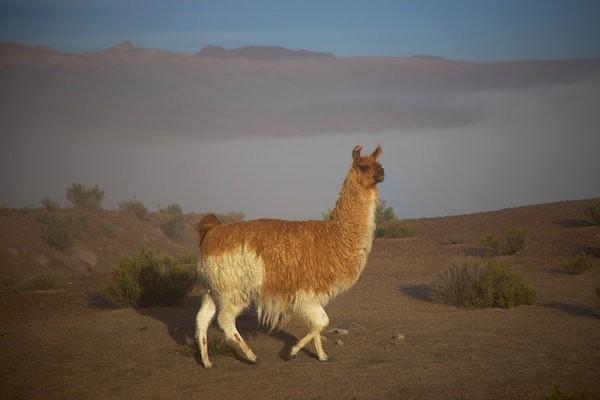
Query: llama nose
(380, 175)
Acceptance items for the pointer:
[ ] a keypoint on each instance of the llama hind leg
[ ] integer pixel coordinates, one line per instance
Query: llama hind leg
(317, 319)
(228, 312)
(203, 320)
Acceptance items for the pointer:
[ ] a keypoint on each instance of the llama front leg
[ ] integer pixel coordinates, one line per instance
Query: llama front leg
(203, 320)
(317, 320)
(228, 312)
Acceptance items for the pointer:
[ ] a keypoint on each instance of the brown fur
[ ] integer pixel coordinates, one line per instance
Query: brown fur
(207, 222)
(314, 256)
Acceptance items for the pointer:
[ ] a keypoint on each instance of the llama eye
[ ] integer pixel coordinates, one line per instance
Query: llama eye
(364, 168)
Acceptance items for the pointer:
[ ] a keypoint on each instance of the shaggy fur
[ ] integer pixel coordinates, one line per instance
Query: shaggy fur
(288, 268)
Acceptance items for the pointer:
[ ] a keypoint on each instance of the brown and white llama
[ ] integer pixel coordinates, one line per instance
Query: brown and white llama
(287, 268)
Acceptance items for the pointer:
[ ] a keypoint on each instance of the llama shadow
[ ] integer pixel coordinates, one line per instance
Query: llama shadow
(575, 309)
(573, 223)
(181, 326)
(419, 291)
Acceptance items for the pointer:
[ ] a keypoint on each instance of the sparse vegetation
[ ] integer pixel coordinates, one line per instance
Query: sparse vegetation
(44, 281)
(231, 217)
(49, 205)
(81, 196)
(455, 238)
(593, 213)
(512, 241)
(578, 264)
(149, 279)
(61, 230)
(388, 225)
(134, 207)
(472, 282)
(216, 346)
(558, 393)
(171, 220)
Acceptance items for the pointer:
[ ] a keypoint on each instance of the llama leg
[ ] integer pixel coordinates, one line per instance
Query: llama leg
(203, 319)
(228, 312)
(317, 319)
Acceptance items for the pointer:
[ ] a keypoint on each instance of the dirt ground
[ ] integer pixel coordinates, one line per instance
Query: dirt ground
(61, 345)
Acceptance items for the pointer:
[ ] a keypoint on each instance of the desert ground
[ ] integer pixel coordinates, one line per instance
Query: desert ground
(62, 344)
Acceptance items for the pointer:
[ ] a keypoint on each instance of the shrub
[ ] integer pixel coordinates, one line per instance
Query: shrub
(394, 229)
(578, 264)
(134, 207)
(44, 281)
(150, 279)
(512, 241)
(455, 238)
(61, 230)
(231, 217)
(171, 220)
(471, 282)
(593, 212)
(49, 204)
(81, 196)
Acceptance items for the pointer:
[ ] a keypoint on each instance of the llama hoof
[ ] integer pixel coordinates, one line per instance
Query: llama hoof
(327, 359)
(255, 361)
(208, 365)
(290, 357)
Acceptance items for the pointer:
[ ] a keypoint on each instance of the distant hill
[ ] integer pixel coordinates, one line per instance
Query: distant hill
(260, 53)
(129, 91)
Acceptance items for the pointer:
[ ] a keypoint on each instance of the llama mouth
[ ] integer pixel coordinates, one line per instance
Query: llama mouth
(379, 178)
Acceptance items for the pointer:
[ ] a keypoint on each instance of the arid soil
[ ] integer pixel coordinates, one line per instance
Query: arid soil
(62, 345)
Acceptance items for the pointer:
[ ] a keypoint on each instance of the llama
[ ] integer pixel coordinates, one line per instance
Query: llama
(287, 268)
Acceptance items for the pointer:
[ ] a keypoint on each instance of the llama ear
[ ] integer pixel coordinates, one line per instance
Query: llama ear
(377, 152)
(356, 152)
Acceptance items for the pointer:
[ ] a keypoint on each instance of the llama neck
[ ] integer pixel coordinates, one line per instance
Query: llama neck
(354, 212)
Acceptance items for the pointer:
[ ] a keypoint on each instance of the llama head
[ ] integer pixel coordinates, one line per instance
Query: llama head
(367, 169)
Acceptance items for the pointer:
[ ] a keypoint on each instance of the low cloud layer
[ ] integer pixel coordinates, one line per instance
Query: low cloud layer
(273, 137)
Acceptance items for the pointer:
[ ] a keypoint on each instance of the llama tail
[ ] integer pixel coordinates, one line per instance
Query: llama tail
(207, 222)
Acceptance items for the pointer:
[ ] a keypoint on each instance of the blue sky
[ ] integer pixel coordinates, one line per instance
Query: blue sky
(460, 29)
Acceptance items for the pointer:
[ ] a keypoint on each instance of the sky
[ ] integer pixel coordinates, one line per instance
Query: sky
(480, 30)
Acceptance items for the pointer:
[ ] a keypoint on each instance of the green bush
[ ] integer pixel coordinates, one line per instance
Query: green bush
(49, 204)
(44, 281)
(61, 230)
(171, 221)
(593, 212)
(231, 217)
(134, 207)
(150, 279)
(511, 242)
(472, 282)
(578, 264)
(81, 196)
(394, 229)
